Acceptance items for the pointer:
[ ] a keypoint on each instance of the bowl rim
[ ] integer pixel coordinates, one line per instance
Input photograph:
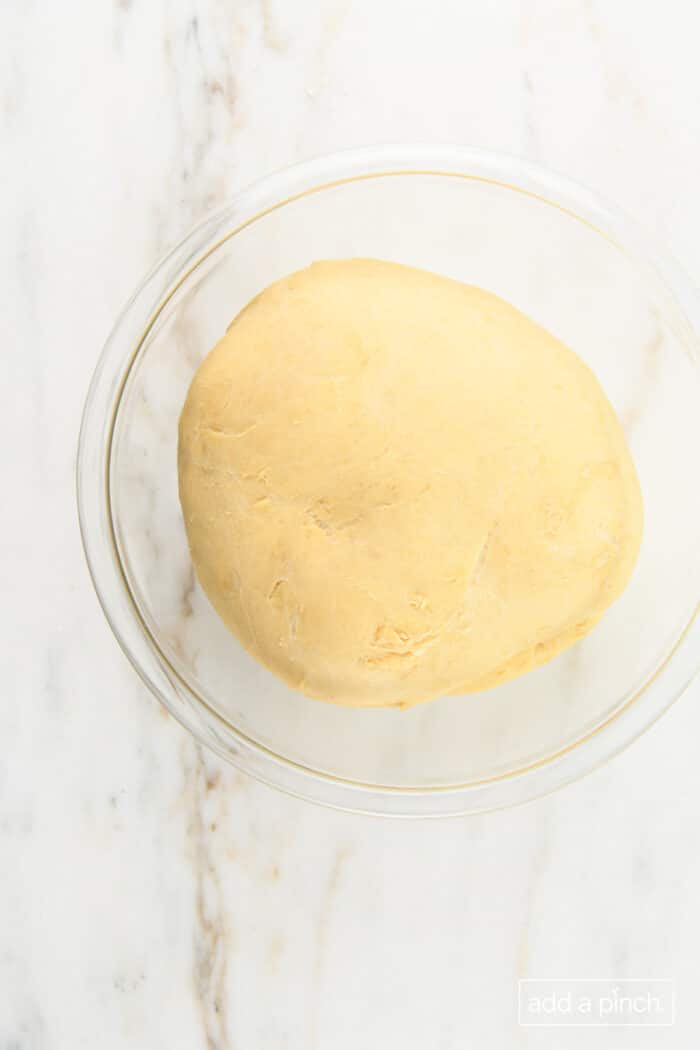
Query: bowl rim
(93, 469)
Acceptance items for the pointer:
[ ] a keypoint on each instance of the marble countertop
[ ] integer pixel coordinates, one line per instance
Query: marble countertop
(150, 896)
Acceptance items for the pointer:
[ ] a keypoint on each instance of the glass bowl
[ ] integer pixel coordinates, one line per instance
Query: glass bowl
(554, 251)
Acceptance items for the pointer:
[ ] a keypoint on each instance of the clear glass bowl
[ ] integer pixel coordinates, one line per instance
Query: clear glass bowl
(576, 267)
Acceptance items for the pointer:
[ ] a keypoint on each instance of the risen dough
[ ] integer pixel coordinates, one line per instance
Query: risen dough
(397, 486)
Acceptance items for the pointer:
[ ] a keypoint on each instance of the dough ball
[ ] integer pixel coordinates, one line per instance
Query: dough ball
(397, 486)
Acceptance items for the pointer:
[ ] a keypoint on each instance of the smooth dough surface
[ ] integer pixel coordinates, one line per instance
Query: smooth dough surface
(397, 486)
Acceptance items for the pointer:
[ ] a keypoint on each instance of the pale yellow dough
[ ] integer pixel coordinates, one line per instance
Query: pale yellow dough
(396, 486)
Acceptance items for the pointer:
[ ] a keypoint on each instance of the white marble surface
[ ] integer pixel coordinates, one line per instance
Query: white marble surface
(150, 896)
